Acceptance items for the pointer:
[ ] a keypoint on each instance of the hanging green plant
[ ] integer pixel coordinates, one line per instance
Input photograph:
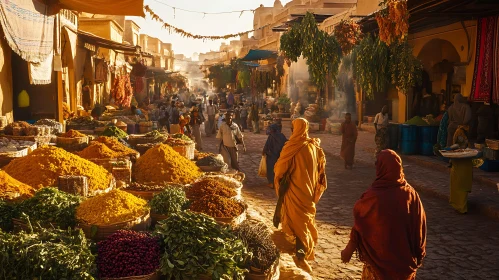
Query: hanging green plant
(370, 66)
(406, 70)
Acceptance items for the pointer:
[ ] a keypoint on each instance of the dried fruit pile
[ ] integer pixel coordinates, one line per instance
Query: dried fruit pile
(210, 186)
(218, 206)
(128, 253)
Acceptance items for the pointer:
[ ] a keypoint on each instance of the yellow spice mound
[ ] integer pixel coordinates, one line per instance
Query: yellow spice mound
(162, 164)
(43, 167)
(97, 150)
(111, 208)
(11, 189)
(115, 145)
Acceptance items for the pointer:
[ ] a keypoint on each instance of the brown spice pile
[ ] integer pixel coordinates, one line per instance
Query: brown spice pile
(210, 186)
(218, 206)
(13, 190)
(44, 165)
(72, 134)
(97, 150)
(161, 164)
(115, 145)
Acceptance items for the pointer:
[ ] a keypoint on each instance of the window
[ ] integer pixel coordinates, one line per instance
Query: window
(135, 39)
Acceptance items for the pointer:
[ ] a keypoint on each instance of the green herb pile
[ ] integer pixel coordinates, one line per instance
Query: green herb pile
(114, 131)
(50, 206)
(47, 254)
(6, 215)
(181, 136)
(171, 200)
(417, 121)
(154, 134)
(256, 236)
(195, 245)
(210, 161)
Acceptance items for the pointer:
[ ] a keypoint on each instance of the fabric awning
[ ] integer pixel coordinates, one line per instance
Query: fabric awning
(92, 39)
(254, 55)
(102, 7)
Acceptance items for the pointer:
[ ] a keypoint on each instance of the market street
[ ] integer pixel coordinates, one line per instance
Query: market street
(458, 246)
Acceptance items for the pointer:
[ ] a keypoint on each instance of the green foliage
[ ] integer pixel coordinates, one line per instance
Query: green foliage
(243, 78)
(195, 245)
(7, 212)
(320, 49)
(406, 70)
(283, 100)
(171, 200)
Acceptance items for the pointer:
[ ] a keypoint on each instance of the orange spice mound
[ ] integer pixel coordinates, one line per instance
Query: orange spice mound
(72, 134)
(161, 164)
(44, 165)
(115, 145)
(13, 190)
(97, 150)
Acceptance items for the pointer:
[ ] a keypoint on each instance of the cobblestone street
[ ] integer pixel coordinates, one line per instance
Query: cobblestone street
(458, 246)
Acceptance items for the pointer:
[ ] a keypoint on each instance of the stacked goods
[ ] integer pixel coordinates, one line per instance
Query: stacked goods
(55, 126)
(46, 164)
(7, 212)
(46, 254)
(210, 186)
(49, 206)
(117, 146)
(196, 246)
(97, 150)
(257, 238)
(17, 128)
(72, 134)
(170, 201)
(127, 253)
(111, 208)
(39, 130)
(162, 164)
(83, 122)
(10, 145)
(13, 190)
(218, 206)
(113, 131)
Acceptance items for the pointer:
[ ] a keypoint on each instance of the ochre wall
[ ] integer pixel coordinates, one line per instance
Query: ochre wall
(6, 105)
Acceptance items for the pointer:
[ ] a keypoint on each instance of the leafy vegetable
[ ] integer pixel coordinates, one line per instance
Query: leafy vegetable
(50, 206)
(6, 215)
(195, 245)
(181, 136)
(47, 254)
(171, 200)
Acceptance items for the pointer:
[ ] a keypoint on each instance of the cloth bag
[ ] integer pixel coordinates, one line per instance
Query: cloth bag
(262, 170)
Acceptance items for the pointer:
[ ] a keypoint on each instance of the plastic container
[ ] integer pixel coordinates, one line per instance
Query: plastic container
(408, 139)
(393, 134)
(427, 139)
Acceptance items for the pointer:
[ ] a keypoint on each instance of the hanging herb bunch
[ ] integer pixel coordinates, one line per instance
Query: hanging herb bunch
(348, 34)
(370, 66)
(406, 70)
(321, 50)
(393, 20)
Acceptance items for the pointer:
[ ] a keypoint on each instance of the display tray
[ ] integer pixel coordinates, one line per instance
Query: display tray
(462, 153)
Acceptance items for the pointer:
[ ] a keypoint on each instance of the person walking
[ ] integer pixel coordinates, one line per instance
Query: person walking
(244, 116)
(196, 121)
(300, 181)
(237, 116)
(272, 150)
(230, 136)
(230, 100)
(348, 139)
(459, 118)
(381, 126)
(389, 231)
(255, 119)
(174, 119)
(211, 111)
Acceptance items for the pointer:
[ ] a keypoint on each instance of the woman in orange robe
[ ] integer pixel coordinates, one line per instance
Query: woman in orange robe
(390, 225)
(300, 181)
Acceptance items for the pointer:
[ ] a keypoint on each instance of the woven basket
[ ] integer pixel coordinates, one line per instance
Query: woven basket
(187, 151)
(273, 273)
(235, 221)
(492, 144)
(77, 185)
(98, 233)
(152, 276)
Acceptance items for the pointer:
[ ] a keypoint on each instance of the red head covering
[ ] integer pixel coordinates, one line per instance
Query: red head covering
(390, 222)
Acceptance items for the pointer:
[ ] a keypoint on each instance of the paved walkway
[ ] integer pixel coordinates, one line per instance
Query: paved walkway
(459, 246)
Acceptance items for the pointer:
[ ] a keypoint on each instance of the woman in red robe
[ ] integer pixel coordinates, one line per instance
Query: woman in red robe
(390, 225)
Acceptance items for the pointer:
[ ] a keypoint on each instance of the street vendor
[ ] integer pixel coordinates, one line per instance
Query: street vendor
(230, 136)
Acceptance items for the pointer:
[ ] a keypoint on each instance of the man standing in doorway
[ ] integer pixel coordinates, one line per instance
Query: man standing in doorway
(230, 136)
(381, 125)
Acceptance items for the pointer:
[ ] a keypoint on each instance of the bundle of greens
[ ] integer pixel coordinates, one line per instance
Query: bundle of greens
(195, 245)
(181, 136)
(47, 254)
(171, 200)
(49, 206)
(113, 131)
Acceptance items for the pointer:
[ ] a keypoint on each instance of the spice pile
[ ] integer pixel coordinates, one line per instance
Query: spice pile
(211, 161)
(11, 189)
(128, 253)
(46, 254)
(111, 208)
(195, 246)
(210, 186)
(97, 150)
(48, 207)
(171, 200)
(46, 164)
(72, 134)
(113, 131)
(115, 145)
(218, 206)
(161, 164)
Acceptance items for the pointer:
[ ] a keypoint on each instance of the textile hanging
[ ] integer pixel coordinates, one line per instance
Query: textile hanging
(103, 7)
(28, 29)
(495, 93)
(101, 70)
(41, 73)
(484, 63)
